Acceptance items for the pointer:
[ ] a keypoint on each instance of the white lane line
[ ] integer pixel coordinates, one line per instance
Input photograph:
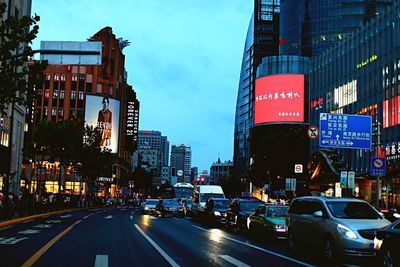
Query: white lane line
(6, 227)
(131, 217)
(261, 249)
(28, 221)
(234, 261)
(160, 250)
(101, 261)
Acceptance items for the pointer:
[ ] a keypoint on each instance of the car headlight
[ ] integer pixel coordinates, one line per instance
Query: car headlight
(346, 232)
(217, 213)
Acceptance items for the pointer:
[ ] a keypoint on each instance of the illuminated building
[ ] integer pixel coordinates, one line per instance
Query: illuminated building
(78, 77)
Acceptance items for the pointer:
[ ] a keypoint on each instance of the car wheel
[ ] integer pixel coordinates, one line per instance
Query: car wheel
(329, 249)
(291, 240)
(387, 258)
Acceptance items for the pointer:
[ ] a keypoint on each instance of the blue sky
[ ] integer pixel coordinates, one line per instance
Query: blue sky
(184, 61)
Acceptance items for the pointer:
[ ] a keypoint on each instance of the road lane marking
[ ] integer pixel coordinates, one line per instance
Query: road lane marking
(43, 250)
(261, 249)
(160, 250)
(42, 226)
(29, 232)
(234, 261)
(131, 217)
(10, 240)
(4, 228)
(101, 261)
(109, 217)
(28, 221)
(65, 216)
(53, 221)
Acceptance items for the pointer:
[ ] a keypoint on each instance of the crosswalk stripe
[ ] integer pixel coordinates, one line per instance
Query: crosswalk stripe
(101, 261)
(234, 261)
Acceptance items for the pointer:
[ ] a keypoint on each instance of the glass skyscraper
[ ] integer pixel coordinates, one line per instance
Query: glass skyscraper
(262, 40)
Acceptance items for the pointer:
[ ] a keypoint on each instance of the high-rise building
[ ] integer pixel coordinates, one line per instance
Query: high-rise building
(11, 146)
(181, 159)
(220, 170)
(310, 27)
(262, 40)
(360, 75)
(79, 79)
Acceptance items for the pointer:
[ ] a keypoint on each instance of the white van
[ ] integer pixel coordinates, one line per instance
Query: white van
(200, 195)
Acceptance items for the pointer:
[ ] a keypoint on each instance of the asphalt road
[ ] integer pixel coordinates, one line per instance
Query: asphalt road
(121, 236)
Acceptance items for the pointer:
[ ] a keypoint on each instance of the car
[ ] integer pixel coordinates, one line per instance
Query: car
(340, 226)
(238, 211)
(200, 195)
(387, 242)
(149, 206)
(169, 207)
(269, 221)
(215, 211)
(391, 214)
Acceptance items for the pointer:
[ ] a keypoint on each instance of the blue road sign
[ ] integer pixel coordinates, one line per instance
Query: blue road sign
(378, 166)
(345, 131)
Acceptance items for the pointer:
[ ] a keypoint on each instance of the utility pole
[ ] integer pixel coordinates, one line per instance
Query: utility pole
(377, 147)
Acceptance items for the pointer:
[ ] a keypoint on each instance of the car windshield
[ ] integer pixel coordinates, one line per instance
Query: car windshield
(170, 203)
(352, 210)
(221, 204)
(151, 202)
(206, 196)
(249, 205)
(277, 211)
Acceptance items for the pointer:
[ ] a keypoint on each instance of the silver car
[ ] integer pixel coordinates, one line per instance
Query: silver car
(344, 226)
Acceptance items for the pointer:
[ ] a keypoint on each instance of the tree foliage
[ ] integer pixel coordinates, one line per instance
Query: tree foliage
(16, 36)
(142, 178)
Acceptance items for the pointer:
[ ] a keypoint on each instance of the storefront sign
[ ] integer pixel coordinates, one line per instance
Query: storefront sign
(367, 61)
(392, 151)
(105, 179)
(343, 179)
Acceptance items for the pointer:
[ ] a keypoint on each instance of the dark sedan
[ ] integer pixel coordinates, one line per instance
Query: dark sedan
(215, 211)
(387, 242)
(149, 206)
(169, 207)
(269, 221)
(238, 212)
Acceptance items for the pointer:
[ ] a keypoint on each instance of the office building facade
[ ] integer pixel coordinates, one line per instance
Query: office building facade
(181, 159)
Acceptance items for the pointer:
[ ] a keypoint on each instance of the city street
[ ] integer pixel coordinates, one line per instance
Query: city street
(121, 236)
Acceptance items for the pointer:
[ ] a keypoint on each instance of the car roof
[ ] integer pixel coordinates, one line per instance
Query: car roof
(334, 199)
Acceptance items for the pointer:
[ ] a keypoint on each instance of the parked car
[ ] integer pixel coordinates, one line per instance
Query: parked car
(169, 207)
(269, 221)
(344, 226)
(215, 211)
(387, 241)
(149, 206)
(239, 210)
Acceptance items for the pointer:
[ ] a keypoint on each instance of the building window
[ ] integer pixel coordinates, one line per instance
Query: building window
(62, 94)
(53, 111)
(81, 82)
(47, 81)
(73, 95)
(81, 95)
(55, 94)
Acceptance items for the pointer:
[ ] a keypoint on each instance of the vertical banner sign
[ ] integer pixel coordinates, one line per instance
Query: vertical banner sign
(290, 184)
(132, 119)
(338, 190)
(343, 179)
(351, 181)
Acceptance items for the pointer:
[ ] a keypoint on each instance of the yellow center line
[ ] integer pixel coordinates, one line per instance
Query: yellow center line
(43, 250)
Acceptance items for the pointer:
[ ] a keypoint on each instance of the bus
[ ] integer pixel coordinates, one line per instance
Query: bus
(183, 190)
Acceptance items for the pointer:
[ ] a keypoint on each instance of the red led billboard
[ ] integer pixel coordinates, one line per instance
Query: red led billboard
(279, 98)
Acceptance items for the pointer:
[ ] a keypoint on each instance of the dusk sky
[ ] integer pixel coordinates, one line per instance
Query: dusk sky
(184, 61)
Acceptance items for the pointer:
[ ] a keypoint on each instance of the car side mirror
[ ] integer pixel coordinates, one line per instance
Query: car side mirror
(318, 214)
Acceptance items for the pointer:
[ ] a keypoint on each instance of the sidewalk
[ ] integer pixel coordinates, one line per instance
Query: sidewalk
(17, 220)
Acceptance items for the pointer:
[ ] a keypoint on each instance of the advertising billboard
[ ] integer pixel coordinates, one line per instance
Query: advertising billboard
(102, 113)
(279, 98)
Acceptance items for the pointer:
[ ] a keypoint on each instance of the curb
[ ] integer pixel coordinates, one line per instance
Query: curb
(13, 221)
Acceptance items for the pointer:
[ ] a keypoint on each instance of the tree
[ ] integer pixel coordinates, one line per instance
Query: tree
(16, 35)
(142, 178)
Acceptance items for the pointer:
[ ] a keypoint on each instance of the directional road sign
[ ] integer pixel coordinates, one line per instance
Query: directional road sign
(345, 131)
